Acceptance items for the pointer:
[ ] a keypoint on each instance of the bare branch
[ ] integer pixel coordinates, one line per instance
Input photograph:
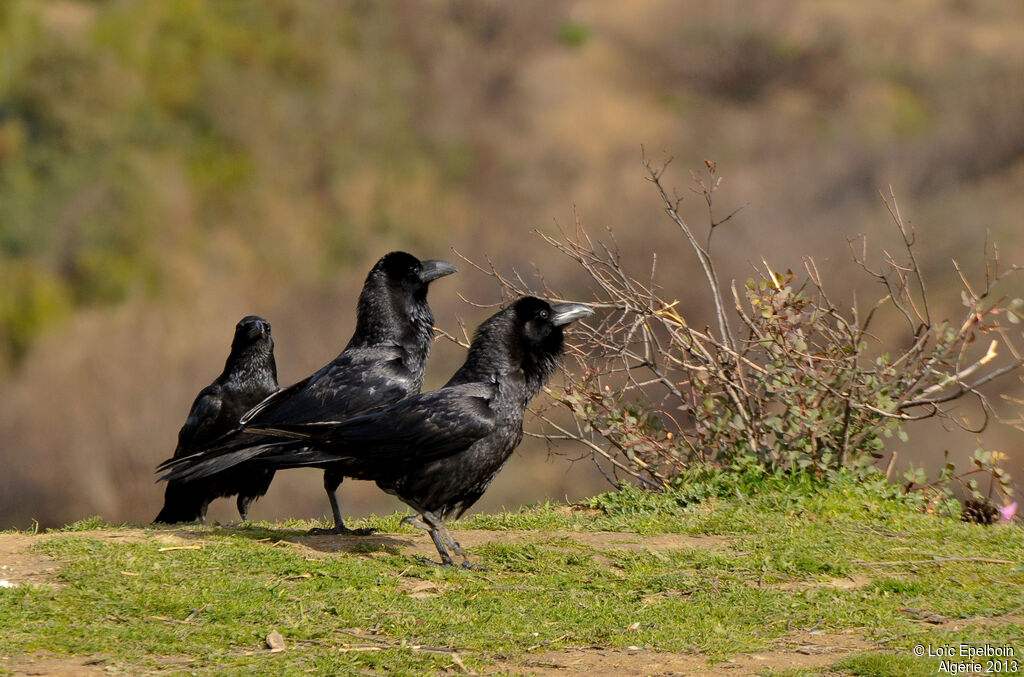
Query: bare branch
(806, 387)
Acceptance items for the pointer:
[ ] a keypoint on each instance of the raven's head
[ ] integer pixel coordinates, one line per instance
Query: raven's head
(393, 303)
(252, 335)
(540, 323)
(538, 331)
(406, 276)
(250, 329)
(526, 335)
(252, 346)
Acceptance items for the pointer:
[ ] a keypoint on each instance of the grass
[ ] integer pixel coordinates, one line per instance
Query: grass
(208, 611)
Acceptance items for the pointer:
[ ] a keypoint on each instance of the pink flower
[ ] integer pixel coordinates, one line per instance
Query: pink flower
(1008, 511)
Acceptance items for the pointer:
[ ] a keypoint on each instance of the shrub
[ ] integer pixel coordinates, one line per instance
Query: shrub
(785, 379)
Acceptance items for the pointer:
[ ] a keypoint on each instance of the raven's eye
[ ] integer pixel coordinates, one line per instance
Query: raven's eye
(543, 314)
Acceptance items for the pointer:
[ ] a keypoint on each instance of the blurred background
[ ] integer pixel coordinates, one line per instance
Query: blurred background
(169, 166)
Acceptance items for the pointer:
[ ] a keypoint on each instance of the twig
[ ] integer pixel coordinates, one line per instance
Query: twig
(195, 612)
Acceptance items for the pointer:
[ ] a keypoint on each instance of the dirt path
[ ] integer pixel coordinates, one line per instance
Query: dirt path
(53, 666)
(19, 566)
(805, 650)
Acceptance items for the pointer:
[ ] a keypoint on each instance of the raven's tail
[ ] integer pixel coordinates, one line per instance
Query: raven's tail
(277, 455)
(181, 504)
(225, 443)
(197, 466)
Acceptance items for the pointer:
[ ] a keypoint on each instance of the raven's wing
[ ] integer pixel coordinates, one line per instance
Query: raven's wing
(357, 380)
(201, 425)
(421, 428)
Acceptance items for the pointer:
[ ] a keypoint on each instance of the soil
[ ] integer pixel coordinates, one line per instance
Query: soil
(53, 666)
(803, 650)
(20, 566)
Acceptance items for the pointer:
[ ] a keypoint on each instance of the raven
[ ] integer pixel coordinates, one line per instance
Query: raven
(383, 363)
(249, 376)
(439, 451)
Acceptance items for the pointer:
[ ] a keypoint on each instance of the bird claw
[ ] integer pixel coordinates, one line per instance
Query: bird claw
(427, 560)
(467, 565)
(362, 531)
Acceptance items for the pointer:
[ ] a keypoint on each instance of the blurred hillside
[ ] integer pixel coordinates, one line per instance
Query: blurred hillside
(168, 167)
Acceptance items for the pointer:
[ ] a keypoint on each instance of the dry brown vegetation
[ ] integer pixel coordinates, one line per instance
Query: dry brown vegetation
(786, 376)
(330, 133)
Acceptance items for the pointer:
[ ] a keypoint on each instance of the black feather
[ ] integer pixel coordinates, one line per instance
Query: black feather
(249, 376)
(383, 363)
(439, 451)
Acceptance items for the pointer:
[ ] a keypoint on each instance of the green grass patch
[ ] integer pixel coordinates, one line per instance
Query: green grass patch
(775, 574)
(888, 665)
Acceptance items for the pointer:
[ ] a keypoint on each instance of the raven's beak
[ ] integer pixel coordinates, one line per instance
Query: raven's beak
(564, 313)
(435, 268)
(257, 329)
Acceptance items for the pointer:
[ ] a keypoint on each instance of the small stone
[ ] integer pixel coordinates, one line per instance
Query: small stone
(275, 642)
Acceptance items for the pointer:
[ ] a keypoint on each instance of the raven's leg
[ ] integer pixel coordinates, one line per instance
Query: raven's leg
(415, 521)
(466, 564)
(446, 559)
(435, 535)
(332, 481)
(439, 534)
(243, 502)
(202, 512)
(456, 547)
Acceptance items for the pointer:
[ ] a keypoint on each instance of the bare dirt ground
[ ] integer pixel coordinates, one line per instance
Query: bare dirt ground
(54, 666)
(802, 650)
(19, 566)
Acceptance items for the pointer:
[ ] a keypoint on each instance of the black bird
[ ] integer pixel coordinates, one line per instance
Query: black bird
(383, 363)
(439, 451)
(249, 376)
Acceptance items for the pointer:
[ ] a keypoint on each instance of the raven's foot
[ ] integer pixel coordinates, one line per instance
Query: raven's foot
(426, 560)
(341, 530)
(466, 564)
(237, 524)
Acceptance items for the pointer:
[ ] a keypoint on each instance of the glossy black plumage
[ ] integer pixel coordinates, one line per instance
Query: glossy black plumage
(439, 451)
(383, 363)
(249, 376)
